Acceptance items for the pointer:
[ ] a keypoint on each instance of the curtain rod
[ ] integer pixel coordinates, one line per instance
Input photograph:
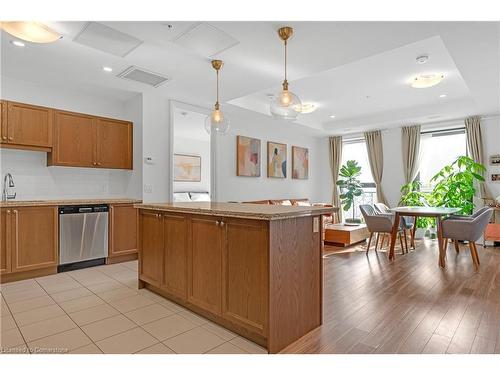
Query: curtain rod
(451, 122)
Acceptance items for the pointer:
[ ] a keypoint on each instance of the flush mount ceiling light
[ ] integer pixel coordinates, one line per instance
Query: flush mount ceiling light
(332, 116)
(306, 107)
(442, 96)
(284, 105)
(107, 69)
(423, 81)
(217, 122)
(35, 32)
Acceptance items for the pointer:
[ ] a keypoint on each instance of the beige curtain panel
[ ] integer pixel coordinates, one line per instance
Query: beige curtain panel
(475, 148)
(376, 158)
(410, 140)
(335, 161)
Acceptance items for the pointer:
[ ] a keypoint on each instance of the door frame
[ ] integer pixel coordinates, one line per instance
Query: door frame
(174, 104)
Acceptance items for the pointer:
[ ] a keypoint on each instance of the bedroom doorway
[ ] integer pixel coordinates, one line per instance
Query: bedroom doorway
(192, 156)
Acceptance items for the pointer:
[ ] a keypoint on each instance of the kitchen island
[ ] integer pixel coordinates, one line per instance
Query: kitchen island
(255, 269)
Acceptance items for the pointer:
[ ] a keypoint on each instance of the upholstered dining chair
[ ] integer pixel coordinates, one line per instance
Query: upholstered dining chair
(378, 223)
(466, 217)
(467, 230)
(407, 223)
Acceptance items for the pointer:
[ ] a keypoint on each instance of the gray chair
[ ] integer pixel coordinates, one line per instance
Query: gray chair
(467, 230)
(406, 223)
(378, 223)
(467, 217)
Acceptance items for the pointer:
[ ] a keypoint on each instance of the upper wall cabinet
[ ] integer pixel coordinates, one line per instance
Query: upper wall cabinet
(88, 141)
(26, 126)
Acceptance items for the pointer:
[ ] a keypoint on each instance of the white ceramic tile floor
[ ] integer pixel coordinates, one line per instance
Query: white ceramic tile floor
(100, 310)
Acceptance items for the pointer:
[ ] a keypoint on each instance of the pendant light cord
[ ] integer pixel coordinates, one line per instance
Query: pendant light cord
(285, 59)
(217, 85)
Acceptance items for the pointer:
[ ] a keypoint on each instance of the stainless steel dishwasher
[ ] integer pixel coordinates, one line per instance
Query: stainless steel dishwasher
(83, 236)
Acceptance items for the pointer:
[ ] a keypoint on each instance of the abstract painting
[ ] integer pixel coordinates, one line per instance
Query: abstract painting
(187, 168)
(300, 163)
(276, 160)
(248, 156)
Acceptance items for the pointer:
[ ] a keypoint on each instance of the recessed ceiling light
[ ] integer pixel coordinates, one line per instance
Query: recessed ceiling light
(423, 81)
(442, 96)
(306, 107)
(332, 116)
(107, 69)
(422, 59)
(18, 43)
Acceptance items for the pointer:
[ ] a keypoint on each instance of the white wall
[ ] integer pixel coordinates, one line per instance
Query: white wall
(491, 138)
(156, 144)
(34, 180)
(194, 147)
(234, 188)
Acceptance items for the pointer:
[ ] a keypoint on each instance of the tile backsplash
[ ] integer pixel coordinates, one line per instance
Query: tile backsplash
(34, 180)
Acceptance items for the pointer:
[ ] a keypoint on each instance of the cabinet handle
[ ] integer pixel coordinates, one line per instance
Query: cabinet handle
(8, 212)
(11, 138)
(217, 223)
(4, 137)
(222, 223)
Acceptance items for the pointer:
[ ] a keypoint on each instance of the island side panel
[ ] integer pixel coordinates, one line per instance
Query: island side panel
(295, 279)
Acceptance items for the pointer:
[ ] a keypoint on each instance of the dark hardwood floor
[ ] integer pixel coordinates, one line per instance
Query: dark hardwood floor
(410, 305)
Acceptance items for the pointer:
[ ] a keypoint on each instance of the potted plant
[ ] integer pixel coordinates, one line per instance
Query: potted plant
(350, 187)
(412, 196)
(454, 184)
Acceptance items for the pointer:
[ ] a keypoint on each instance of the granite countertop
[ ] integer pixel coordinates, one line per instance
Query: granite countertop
(240, 210)
(67, 202)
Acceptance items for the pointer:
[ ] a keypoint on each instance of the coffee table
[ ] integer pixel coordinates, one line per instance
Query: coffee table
(344, 235)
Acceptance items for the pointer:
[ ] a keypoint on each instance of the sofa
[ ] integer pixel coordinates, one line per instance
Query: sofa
(298, 202)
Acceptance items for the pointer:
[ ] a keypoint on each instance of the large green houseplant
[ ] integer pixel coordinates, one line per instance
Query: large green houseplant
(454, 184)
(350, 187)
(453, 187)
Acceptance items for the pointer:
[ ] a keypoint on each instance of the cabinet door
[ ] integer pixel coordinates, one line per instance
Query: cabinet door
(74, 140)
(34, 238)
(5, 229)
(123, 225)
(204, 269)
(175, 261)
(114, 144)
(245, 270)
(3, 122)
(29, 125)
(151, 247)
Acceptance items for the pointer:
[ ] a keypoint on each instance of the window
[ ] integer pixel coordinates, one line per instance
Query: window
(437, 149)
(355, 149)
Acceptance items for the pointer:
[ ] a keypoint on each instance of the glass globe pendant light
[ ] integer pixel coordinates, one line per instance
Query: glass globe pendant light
(217, 122)
(285, 105)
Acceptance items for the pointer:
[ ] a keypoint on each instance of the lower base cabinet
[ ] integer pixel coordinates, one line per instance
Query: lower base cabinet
(123, 231)
(29, 238)
(218, 265)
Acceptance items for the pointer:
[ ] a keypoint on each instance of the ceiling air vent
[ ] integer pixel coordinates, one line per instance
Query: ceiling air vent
(136, 74)
(104, 38)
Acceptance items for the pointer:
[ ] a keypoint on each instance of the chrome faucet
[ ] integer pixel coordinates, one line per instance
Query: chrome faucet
(5, 194)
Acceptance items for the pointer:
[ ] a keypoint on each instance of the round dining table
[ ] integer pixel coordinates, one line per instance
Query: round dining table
(436, 212)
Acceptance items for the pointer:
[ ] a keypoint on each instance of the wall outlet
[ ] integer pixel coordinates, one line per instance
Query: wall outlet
(148, 188)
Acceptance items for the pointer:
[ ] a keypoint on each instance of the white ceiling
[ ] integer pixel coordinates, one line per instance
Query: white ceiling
(337, 64)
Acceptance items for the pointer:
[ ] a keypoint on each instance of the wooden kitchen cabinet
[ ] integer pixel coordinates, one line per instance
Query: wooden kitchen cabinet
(29, 240)
(204, 264)
(88, 141)
(245, 280)
(113, 143)
(26, 126)
(5, 234)
(175, 259)
(123, 230)
(34, 241)
(73, 140)
(152, 244)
